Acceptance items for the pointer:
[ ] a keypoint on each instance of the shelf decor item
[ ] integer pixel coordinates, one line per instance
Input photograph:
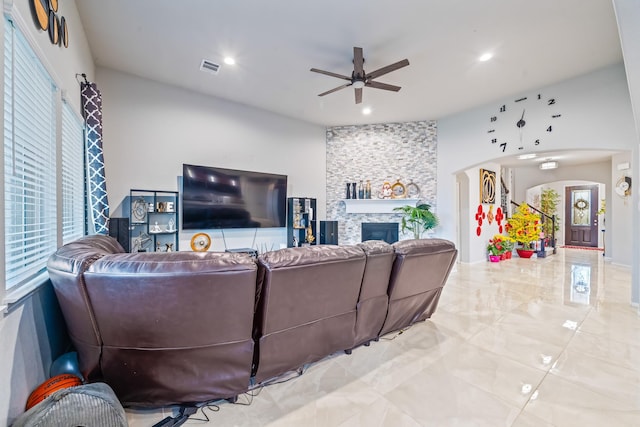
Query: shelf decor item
(200, 242)
(139, 211)
(398, 190)
(386, 190)
(413, 191)
(301, 221)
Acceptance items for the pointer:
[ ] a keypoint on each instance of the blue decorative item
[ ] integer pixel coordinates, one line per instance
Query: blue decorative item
(66, 364)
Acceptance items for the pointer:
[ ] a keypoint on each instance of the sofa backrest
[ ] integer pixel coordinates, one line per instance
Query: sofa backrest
(373, 298)
(419, 272)
(307, 307)
(66, 270)
(175, 327)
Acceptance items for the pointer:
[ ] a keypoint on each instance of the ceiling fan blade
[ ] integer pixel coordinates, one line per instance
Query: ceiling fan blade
(358, 95)
(378, 85)
(389, 68)
(358, 61)
(335, 89)
(329, 73)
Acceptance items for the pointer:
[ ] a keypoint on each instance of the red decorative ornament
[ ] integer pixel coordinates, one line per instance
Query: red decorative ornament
(480, 215)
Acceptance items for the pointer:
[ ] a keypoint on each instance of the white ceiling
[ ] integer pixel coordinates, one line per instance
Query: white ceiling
(276, 42)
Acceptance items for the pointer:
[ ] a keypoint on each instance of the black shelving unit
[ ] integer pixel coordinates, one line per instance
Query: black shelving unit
(301, 221)
(153, 221)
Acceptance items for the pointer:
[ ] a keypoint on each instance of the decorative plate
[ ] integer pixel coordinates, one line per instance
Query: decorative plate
(413, 191)
(139, 210)
(64, 32)
(54, 28)
(398, 190)
(41, 10)
(200, 242)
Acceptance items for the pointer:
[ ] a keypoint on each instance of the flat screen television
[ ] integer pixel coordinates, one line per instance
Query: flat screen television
(226, 198)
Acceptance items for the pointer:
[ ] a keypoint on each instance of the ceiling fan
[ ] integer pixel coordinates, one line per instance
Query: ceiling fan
(360, 79)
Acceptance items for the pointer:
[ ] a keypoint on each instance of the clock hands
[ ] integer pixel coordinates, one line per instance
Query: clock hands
(521, 122)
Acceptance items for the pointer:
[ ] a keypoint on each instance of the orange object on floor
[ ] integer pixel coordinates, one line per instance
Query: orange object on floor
(51, 385)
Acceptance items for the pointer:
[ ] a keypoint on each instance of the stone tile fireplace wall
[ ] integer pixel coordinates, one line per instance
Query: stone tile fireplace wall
(379, 152)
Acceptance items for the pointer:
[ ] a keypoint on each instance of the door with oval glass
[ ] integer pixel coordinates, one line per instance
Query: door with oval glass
(581, 223)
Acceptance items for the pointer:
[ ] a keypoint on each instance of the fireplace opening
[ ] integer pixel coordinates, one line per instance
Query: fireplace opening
(387, 231)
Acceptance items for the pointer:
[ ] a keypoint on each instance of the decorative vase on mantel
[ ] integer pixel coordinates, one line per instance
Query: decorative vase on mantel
(525, 253)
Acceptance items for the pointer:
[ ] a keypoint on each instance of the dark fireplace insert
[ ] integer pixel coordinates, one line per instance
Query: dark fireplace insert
(387, 231)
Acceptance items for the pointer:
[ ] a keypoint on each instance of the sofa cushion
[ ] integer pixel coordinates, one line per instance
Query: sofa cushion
(176, 327)
(307, 307)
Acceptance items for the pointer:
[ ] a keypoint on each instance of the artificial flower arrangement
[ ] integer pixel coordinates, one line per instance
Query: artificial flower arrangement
(524, 226)
(500, 244)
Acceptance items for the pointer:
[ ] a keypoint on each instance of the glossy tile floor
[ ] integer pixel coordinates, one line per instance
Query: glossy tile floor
(521, 343)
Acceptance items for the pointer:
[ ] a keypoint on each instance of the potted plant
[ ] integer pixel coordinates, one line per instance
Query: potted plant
(417, 219)
(549, 201)
(495, 249)
(500, 246)
(524, 227)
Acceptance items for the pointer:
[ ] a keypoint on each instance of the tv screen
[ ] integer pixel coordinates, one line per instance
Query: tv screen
(227, 198)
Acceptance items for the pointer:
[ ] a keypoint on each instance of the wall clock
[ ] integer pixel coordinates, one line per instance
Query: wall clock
(623, 186)
(523, 123)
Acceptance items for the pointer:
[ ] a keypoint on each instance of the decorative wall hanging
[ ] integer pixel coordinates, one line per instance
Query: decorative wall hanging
(45, 15)
(490, 215)
(40, 10)
(623, 186)
(480, 215)
(54, 28)
(499, 217)
(487, 186)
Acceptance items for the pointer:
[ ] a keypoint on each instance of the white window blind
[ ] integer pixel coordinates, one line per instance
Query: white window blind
(29, 161)
(72, 176)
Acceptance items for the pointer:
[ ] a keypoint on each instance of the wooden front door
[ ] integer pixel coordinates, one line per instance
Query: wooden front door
(581, 223)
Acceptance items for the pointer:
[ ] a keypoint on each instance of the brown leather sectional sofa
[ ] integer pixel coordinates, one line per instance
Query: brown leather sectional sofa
(185, 327)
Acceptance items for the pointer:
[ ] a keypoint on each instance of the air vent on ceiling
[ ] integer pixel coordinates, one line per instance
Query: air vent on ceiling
(209, 67)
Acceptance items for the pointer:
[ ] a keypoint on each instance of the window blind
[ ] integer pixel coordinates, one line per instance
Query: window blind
(29, 161)
(72, 176)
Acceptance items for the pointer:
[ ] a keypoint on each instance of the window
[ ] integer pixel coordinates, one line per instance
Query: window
(72, 176)
(29, 161)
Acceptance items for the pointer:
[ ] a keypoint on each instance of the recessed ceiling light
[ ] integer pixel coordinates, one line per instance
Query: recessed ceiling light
(485, 57)
(526, 156)
(548, 165)
(366, 111)
(229, 60)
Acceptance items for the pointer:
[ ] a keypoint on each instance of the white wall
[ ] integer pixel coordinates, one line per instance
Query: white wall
(151, 129)
(628, 17)
(475, 246)
(596, 114)
(32, 332)
(620, 215)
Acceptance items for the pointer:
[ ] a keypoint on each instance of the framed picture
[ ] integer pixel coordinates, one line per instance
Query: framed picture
(487, 186)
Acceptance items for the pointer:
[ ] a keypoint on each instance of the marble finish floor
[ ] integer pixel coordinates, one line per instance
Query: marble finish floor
(520, 343)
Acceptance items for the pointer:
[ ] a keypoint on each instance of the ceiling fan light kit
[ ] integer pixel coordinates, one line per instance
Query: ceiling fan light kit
(360, 79)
